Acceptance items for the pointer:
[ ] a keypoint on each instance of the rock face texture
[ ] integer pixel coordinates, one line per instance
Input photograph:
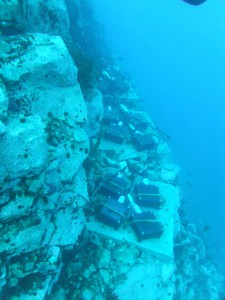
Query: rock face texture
(47, 17)
(12, 15)
(69, 117)
(19, 156)
(42, 149)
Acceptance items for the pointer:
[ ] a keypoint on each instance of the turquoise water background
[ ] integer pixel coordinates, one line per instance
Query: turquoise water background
(175, 54)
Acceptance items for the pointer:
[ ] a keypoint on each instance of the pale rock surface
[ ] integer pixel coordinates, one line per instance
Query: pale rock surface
(18, 148)
(43, 146)
(2, 128)
(44, 76)
(102, 259)
(12, 15)
(3, 99)
(94, 113)
(34, 16)
(68, 226)
(49, 16)
(146, 282)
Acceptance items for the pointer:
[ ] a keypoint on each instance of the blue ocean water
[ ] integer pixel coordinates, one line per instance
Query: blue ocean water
(175, 53)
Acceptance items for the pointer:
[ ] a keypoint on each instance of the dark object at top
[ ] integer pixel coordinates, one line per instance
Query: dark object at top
(194, 2)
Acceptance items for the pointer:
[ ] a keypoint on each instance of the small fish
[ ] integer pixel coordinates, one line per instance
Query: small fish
(206, 228)
(194, 2)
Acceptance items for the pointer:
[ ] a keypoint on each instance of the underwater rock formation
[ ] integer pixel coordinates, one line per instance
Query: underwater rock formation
(12, 14)
(18, 150)
(43, 146)
(73, 136)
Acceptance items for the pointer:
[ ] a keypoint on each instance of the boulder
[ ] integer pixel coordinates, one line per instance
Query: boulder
(47, 16)
(11, 16)
(41, 78)
(103, 258)
(68, 226)
(24, 235)
(94, 113)
(23, 149)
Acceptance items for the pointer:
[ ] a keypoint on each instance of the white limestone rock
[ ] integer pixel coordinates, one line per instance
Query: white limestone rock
(169, 174)
(11, 15)
(3, 274)
(16, 209)
(42, 78)
(105, 276)
(68, 226)
(23, 236)
(23, 149)
(71, 158)
(77, 195)
(94, 113)
(126, 254)
(86, 274)
(169, 170)
(103, 258)
(49, 232)
(41, 81)
(3, 175)
(87, 294)
(3, 102)
(34, 16)
(49, 16)
(36, 262)
(145, 282)
(164, 152)
(2, 128)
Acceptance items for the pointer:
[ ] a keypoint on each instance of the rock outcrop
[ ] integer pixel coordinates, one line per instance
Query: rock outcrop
(71, 122)
(43, 147)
